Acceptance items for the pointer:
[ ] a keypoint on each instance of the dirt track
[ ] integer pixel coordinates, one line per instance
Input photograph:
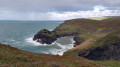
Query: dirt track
(88, 42)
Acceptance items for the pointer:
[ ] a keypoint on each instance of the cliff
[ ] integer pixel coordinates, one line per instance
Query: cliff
(95, 38)
(104, 48)
(81, 29)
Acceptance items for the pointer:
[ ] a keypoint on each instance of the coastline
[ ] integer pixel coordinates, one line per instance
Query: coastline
(58, 47)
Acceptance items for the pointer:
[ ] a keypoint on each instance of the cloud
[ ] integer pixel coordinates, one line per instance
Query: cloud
(57, 9)
(56, 5)
(97, 12)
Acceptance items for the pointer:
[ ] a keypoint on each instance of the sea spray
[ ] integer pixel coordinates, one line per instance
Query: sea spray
(57, 47)
(19, 34)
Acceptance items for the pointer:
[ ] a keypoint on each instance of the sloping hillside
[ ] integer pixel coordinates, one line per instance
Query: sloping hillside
(95, 38)
(81, 29)
(13, 57)
(105, 48)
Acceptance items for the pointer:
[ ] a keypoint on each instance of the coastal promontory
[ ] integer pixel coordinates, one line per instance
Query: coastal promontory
(95, 38)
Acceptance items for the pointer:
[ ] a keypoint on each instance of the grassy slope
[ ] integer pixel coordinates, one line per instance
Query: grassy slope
(89, 30)
(110, 63)
(84, 27)
(96, 34)
(13, 57)
(97, 18)
(111, 38)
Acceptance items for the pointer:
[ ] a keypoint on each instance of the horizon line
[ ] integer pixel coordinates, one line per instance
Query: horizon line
(32, 20)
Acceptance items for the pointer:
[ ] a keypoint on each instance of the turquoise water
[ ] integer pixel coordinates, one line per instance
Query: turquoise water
(19, 34)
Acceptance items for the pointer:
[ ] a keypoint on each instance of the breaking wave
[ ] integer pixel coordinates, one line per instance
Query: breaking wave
(58, 50)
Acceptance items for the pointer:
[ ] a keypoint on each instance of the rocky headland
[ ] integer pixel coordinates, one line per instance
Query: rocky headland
(91, 37)
(95, 39)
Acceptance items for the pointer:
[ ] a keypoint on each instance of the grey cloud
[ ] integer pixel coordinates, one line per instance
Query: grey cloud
(56, 5)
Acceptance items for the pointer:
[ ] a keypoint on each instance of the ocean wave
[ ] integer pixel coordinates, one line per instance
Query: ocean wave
(12, 40)
(63, 49)
(51, 29)
(53, 51)
(30, 40)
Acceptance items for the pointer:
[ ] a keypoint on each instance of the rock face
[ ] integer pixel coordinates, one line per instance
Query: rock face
(45, 36)
(78, 41)
(75, 27)
(108, 52)
(68, 28)
(105, 32)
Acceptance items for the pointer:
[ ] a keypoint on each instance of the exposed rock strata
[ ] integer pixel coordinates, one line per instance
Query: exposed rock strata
(107, 48)
(46, 36)
(107, 52)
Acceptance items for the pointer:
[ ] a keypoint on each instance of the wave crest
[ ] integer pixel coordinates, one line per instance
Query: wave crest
(53, 50)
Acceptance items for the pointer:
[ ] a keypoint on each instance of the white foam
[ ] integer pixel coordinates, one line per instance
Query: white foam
(54, 51)
(50, 29)
(12, 40)
(62, 46)
(30, 40)
(35, 43)
(63, 49)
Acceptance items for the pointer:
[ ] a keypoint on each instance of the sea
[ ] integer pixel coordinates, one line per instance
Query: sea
(19, 34)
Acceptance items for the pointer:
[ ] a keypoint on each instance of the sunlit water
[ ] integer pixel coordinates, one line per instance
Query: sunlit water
(19, 34)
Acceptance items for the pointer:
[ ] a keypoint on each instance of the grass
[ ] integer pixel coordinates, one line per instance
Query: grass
(109, 63)
(98, 18)
(86, 36)
(67, 29)
(96, 32)
(111, 38)
(13, 57)
(69, 64)
(71, 53)
(88, 29)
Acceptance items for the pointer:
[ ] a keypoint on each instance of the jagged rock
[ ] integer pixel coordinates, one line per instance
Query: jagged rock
(78, 40)
(45, 36)
(107, 52)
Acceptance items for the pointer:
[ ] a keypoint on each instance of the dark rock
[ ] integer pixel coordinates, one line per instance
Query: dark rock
(107, 52)
(45, 36)
(78, 40)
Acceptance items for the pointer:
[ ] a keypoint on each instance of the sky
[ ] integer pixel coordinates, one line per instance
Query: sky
(57, 9)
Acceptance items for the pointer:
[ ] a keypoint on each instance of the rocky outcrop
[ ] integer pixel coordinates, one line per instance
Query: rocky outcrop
(107, 52)
(46, 36)
(105, 46)
(76, 27)
(78, 40)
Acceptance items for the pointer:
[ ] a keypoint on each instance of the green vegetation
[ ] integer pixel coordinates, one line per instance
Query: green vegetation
(69, 64)
(86, 36)
(95, 34)
(98, 18)
(13, 57)
(111, 38)
(107, 34)
(110, 63)
(46, 32)
(67, 29)
(71, 53)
